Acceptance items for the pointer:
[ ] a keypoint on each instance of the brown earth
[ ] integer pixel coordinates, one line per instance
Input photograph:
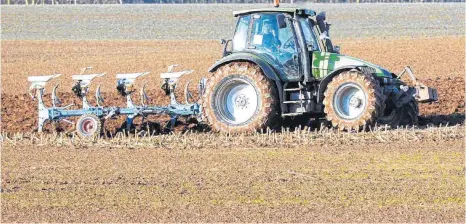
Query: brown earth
(379, 182)
(438, 62)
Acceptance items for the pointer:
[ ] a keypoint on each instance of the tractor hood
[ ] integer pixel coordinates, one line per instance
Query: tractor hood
(323, 63)
(379, 71)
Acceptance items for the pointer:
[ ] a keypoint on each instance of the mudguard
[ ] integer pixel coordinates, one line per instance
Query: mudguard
(265, 66)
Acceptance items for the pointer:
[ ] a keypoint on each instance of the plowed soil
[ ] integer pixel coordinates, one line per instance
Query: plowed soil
(438, 62)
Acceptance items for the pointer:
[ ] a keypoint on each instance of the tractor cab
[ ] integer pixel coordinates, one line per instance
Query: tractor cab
(283, 37)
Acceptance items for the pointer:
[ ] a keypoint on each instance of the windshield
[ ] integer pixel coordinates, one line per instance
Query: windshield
(310, 37)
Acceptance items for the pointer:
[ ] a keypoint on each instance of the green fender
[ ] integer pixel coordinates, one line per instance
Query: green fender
(249, 57)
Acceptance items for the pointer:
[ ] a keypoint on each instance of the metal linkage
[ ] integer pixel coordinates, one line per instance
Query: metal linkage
(423, 93)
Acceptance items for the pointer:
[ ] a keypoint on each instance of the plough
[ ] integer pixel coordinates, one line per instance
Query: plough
(91, 117)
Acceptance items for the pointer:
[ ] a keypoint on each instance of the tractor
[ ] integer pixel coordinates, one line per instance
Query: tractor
(281, 67)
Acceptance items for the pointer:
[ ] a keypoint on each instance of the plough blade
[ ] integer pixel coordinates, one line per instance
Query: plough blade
(125, 86)
(39, 83)
(187, 94)
(98, 97)
(55, 100)
(143, 96)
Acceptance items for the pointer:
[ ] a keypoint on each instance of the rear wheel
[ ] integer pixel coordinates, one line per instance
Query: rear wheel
(88, 126)
(353, 100)
(239, 98)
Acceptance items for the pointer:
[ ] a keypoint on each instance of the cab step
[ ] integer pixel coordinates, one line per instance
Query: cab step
(293, 101)
(291, 114)
(293, 89)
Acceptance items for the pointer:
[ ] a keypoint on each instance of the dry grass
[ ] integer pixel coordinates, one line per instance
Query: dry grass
(283, 139)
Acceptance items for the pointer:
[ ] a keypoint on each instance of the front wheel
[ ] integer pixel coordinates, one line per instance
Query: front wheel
(239, 98)
(353, 100)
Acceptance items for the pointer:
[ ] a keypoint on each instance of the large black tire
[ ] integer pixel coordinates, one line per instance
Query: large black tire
(238, 87)
(353, 100)
(408, 114)
(88, 126)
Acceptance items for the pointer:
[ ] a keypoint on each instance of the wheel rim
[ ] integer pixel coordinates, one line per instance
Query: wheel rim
(350, 101)
(236, 101)
(88, 126)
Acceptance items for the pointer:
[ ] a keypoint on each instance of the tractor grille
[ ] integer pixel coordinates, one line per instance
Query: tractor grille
(367, 70)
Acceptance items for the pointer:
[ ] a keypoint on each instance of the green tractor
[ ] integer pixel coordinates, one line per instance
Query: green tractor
(281, 67)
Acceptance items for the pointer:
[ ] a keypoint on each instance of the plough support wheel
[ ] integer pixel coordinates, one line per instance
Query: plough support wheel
(88, 126)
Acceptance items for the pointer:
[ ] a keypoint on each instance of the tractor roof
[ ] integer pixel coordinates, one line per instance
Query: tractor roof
(301, 11)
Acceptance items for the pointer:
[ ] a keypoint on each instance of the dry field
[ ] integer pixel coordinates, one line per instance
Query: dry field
(287, 177)
(403, 175)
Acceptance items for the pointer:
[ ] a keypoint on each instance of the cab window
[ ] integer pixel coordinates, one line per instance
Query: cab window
(309, 35)
(241, 33)
(266, 34)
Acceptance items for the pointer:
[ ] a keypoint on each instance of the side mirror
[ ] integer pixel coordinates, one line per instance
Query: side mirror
(281, 21)
(336, 49)
(321, 17)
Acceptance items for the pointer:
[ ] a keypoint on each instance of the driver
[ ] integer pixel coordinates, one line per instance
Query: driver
(269, 36)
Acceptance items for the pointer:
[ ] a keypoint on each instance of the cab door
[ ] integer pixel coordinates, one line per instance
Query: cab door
(278, 46)
(322, 61)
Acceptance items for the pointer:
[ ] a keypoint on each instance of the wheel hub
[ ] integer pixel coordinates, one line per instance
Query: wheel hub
(355, 102)
(87, 126)
(242, 101)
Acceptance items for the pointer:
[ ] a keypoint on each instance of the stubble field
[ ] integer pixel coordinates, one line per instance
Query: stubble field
(413, 175)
